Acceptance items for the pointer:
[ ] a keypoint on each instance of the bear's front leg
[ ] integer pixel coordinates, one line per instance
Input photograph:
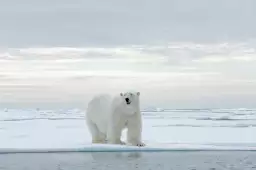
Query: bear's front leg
(134, 133)
(134, 141)
(114, 136)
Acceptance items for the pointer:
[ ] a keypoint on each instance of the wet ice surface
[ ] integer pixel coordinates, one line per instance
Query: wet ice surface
(225, 160)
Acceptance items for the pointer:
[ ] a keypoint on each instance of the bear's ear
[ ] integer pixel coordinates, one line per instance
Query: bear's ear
(138, 93)
(121, 94)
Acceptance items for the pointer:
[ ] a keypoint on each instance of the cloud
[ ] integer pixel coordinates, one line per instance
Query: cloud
(245, 58)
(221, 59)
(169, 60)
(174, 71)
(135, 53)
(212, 59)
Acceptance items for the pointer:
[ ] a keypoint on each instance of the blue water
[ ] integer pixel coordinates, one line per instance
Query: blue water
(204, 160)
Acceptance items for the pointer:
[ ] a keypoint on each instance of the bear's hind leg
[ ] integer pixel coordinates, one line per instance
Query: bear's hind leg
(97, 136)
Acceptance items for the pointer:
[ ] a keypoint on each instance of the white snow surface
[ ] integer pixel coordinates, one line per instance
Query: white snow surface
(61, 130)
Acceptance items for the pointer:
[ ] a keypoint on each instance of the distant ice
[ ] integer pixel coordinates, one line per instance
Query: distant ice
(181, 129)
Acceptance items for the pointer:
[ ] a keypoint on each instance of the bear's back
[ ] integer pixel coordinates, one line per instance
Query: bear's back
(100, 101)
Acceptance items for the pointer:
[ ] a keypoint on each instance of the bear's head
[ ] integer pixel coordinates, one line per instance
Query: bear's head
(131, 101)
(130, 97)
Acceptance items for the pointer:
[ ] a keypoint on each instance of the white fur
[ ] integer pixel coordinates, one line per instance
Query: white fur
(107, 116)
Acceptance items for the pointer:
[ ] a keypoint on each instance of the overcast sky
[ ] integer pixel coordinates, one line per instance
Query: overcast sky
(177, 53)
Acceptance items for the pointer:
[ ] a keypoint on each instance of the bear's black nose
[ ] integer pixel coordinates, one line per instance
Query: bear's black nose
(127, 100)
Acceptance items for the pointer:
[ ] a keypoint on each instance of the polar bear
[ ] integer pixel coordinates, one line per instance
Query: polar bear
(107, 116)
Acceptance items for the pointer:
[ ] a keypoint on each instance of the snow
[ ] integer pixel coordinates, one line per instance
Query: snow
(66, 130)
